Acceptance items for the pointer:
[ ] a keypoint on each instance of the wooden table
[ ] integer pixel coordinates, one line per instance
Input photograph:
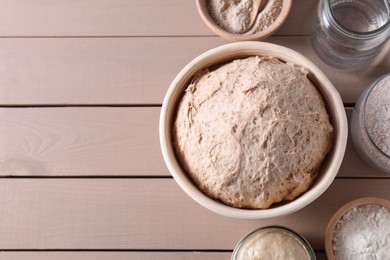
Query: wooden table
(81, 85)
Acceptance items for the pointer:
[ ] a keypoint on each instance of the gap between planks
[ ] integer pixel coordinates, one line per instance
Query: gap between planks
(122, 255)
(346, 105)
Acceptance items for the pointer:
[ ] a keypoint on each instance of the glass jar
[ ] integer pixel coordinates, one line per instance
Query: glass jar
(273, 242)
(348, 34)
(370, 124)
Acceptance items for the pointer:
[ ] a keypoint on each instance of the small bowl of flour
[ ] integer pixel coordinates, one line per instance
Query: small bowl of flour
(231, 19)
(360, 230)
(370, 124)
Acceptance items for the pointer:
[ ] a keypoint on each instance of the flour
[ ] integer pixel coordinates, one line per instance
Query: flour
(231, 15)
(370, 124)
(267, 17)
(377, 115)
(234, 15)
(363, 233)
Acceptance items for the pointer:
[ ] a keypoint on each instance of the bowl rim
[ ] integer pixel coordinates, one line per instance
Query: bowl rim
(280, 20)
(340, 213)
(234, 50)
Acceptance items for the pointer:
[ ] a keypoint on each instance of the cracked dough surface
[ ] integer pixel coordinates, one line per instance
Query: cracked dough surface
(252, 132)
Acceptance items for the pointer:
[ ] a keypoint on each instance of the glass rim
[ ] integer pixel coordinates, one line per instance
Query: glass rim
(284, 229)
(357, 34)
(373, 85)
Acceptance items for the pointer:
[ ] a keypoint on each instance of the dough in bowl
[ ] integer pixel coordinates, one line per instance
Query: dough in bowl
(252, 132)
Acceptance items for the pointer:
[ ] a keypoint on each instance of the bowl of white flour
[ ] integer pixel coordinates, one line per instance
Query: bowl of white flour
(360, 230)
(233, 19)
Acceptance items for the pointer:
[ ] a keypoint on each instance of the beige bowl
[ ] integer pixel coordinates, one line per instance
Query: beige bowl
(240, 50)
(206, 17)
(340, 213)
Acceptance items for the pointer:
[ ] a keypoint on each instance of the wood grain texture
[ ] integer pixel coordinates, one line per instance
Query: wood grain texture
(80, 141)
(122, 255)
(144, 214)
(127, 70)
(93, 71)
(100, 141)
(100, 18)
(115, 255)
(123, 18)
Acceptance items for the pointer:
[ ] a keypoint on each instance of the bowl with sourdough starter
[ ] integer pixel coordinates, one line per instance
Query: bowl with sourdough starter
(232, 173)
(273, 242)
(232, 19)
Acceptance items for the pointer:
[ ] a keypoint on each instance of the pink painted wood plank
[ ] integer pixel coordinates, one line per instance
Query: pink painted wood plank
(144, 214)
(122, 255)
(100, 18)
(80, 141)
(127, 70)
(99, 141)
(114, 255)
(122, 18)
(93, 71)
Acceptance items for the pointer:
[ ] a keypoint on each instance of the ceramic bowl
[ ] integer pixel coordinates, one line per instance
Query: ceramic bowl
(279, 21)
(230, 52)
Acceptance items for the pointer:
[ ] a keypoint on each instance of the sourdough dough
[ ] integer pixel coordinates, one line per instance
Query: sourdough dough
(252, 132)
(273, 244)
